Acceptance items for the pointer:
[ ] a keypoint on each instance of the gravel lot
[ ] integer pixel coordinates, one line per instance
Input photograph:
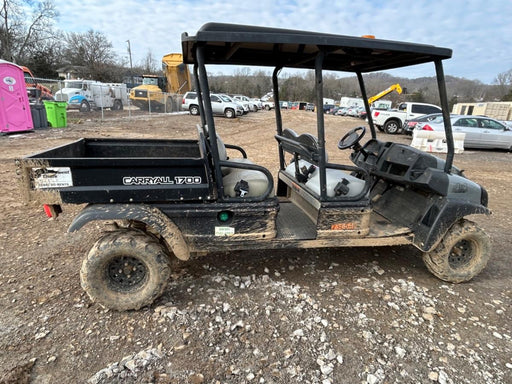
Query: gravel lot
(363, 315)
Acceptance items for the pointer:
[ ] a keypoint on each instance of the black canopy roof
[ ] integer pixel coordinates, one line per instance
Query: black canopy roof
(261, 46)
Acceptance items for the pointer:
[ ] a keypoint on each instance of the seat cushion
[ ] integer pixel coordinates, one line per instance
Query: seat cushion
(290, 169)
(333, 177)
(227, 170)
(256, 180)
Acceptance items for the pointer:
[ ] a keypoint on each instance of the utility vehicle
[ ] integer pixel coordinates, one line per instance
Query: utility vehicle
(186, 197)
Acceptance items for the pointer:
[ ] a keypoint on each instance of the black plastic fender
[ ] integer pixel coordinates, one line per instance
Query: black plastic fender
(151, 216)
(431, 230)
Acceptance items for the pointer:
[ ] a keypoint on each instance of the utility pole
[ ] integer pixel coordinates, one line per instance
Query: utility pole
(131, 66)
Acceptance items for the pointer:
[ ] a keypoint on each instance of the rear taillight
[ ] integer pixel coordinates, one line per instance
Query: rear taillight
(427, 127)
(183, 101)
(375, 114)
(52, 210)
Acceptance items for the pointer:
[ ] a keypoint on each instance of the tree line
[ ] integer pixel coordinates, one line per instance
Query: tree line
(28, 37)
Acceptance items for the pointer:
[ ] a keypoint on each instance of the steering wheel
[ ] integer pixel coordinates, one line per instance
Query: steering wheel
(352, 138)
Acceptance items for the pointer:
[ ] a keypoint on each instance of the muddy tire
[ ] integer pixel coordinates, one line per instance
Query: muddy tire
(125, 270)
(461, 255)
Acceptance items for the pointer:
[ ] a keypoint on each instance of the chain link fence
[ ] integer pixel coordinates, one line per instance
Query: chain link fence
(87, 97)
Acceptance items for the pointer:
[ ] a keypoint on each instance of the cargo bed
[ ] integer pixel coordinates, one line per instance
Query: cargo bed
(117, 171)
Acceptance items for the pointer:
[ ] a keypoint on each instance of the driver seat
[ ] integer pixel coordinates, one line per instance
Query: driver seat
(338, 182)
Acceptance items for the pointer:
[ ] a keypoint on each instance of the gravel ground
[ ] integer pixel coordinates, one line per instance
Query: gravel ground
(363, 315)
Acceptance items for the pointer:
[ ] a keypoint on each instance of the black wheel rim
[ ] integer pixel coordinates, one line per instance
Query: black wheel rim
(461, 254)
(126, 273)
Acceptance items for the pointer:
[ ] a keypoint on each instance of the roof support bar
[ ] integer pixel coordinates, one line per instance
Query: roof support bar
(441, 85)
(277, 110)
(199, 98)
(319, 87)
(205, 91)
(366, 104)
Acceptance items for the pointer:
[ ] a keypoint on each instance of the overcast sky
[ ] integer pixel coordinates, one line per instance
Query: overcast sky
(479, 32)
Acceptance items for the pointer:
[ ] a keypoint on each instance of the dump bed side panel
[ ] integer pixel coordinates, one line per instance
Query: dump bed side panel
(117, 171)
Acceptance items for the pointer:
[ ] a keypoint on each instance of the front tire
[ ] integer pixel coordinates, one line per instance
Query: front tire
(229, 113)
(461, 255)
(125, 269)
(85, 106)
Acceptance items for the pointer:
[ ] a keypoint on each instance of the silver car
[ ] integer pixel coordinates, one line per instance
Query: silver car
(481, 131)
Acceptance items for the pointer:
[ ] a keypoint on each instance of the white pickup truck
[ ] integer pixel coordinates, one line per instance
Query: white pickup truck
(392, 120)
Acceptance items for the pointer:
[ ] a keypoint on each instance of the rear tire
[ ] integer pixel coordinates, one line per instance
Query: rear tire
(118, 105)
(392, 127)
(194, 110)
(125, 269)
(461, 255)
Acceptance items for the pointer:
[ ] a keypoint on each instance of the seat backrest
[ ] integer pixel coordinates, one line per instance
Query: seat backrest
(223, 154)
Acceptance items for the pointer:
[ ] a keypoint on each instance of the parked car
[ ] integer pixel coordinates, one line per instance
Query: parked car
(257, 102)
(221, 105)
(268, 104)
(328, 108)
(189, 98)
(340, 111)
(481, 132)
(301, 105)
(283, 104)
(409, 125)
(352, 111)
(240, 109)
(310, 107)
(237, 99)
(246, 102)
(359, 112)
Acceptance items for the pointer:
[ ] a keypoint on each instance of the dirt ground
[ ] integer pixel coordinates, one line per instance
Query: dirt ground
(364, 315)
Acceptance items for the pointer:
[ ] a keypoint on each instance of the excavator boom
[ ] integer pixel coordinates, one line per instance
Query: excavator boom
(394, 87)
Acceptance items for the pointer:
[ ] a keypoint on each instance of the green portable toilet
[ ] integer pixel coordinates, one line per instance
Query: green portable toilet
(56, 113)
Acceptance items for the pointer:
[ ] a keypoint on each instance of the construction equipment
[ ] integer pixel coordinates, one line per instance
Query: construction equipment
(35, 90)
(160, 93)
(394, 87)
(86, 95)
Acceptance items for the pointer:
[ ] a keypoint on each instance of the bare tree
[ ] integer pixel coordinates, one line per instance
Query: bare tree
(91, 52)
(150, 65)
(24, 26)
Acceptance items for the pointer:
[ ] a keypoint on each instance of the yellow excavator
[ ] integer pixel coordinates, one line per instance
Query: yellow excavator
(394, 87)
(163, 93)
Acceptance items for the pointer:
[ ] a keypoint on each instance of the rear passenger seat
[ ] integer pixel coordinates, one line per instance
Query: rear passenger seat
(241, 182)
